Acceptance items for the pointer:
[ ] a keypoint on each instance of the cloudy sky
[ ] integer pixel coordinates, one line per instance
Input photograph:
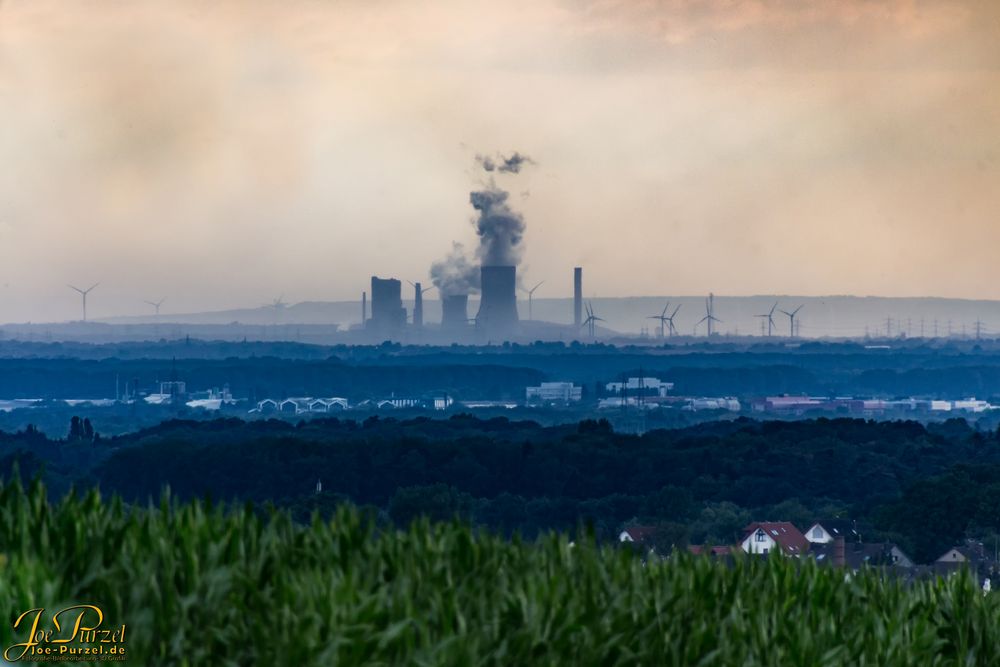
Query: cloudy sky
(223, 153)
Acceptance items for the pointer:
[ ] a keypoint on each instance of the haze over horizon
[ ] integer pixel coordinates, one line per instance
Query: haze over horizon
(223, 154)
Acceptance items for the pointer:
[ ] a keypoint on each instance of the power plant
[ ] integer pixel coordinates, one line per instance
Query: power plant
(385, 318)
(388, 315)
(498, 305)
(455, 312)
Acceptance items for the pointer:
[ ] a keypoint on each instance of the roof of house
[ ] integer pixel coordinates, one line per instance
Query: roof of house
(845, 528)
(971, 551)
(640, 533)
(858, 554)
(788, 537)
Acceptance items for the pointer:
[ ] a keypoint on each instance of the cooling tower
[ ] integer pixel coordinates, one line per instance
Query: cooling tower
(455, 312)
(498, 304)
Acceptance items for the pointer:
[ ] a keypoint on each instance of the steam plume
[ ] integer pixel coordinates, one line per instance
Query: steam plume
(500, 228)
(455, 274)
(505, 165)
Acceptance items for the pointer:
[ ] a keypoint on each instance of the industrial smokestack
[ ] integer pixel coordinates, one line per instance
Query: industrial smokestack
(364, 309)
(578, 296)
(455, 312)
(418, 306)
(498, 307)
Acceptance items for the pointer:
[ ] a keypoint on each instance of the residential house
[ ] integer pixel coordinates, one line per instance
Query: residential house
(972, 555)
(827, 530)
(856, 555)
(763, 537)
(637, 534)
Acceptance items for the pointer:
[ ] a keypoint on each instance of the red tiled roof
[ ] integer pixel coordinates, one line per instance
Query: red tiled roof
(788, 537)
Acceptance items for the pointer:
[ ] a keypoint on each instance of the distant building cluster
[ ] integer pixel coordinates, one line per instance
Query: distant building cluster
(800, 405)
(310, 405)
(836, 543)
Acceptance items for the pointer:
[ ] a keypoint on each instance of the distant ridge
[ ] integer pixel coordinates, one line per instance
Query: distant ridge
(823, 316)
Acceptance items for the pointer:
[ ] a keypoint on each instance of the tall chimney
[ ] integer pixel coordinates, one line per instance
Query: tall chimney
(455, 312)
(839, 556)
(498, 304)
(418, 306)
(578, 296)
(364, 309)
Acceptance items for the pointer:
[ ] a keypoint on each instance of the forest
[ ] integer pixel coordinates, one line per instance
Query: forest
(925, 487)
(257, 370)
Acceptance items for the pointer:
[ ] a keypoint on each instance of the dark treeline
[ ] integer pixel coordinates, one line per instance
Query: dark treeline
(925, 487)
(260, 370)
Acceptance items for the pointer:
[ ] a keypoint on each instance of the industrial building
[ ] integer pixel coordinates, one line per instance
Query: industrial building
(640, 386)
(455, 312)
(553, 392)
(388, 315)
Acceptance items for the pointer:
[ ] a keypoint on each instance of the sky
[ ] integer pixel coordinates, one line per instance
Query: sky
(222, 154)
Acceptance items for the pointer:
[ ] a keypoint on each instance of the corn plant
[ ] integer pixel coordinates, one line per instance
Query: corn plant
(199, 584)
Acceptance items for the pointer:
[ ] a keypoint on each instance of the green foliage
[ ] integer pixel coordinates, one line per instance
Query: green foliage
(203, 585)
(437, 502)
(925, 488)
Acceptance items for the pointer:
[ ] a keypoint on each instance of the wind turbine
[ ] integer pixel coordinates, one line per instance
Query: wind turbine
(670, 320)
(591, 320)
(84, 293)
(791, 320)
(531, 293)
(422, 289)
(709, 314)
(156, 305)
(662, 317)
(418, 303)
(770, 318)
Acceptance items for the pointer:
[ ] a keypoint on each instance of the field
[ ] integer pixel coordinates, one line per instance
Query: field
(203, 585)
